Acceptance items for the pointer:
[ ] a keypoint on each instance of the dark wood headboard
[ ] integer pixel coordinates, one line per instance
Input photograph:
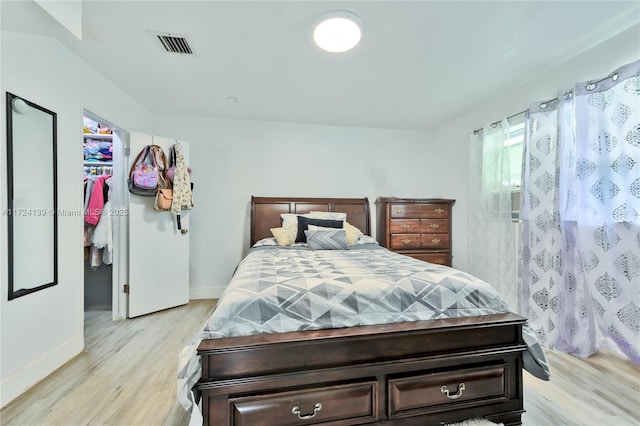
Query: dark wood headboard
(265, 212)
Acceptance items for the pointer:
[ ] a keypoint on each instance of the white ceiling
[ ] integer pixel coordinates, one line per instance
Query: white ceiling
(420, 63)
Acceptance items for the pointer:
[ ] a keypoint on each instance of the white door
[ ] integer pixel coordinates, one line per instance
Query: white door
(158, 251)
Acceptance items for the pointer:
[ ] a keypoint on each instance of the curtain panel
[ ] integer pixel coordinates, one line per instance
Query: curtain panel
(492, 244)
(580, 249)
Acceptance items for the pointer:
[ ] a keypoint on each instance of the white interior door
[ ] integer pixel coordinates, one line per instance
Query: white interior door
(158, 251)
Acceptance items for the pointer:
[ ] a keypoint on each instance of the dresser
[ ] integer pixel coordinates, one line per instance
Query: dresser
(416, 227)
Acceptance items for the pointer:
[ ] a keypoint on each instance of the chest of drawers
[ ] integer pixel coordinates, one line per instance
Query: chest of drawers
(416, 227)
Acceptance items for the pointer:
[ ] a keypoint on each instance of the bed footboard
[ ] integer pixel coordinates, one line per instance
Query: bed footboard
(423, 372)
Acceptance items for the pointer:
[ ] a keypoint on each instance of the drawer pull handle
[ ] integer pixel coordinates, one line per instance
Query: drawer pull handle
(435, 225)
(439, 211)
(406, 241)
(316, 408)
(435, 240)
(399, 211)
(439, 261)
(445, 390)
(405, 226)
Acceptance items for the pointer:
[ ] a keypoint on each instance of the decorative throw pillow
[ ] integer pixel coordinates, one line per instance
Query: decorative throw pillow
(335, 239)
(304, 222)
(353, 233)
(289, 219)
(286, 235)
(328, 215)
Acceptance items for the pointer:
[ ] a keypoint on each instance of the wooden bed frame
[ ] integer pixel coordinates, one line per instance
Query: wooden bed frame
(412, 373)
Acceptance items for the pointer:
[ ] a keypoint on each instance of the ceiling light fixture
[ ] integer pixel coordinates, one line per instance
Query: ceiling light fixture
(338, 31)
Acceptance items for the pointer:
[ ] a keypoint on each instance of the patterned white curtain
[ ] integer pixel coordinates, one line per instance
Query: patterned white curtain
(491, 230)
(580, 246)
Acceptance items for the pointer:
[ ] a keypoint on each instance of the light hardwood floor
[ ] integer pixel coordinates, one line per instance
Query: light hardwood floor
(102, 386)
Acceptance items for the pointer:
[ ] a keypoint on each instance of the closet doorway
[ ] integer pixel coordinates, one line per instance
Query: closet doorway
(104, 216)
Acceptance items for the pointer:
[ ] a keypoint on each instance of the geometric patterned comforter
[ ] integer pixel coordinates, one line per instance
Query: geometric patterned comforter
(278, 289)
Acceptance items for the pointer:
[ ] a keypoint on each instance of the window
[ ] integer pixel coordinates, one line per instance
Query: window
(514, 146)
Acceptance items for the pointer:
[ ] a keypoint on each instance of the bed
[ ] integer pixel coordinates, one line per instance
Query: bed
(357, 361)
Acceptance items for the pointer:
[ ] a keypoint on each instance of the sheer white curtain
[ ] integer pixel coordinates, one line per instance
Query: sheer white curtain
(491, 231)
(580, 251)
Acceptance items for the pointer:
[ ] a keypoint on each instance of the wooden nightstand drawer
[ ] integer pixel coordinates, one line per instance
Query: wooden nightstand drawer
(434, 241)
(447, 390)
(349, 404)
(405, 241)
(404, 226)
(434, 225)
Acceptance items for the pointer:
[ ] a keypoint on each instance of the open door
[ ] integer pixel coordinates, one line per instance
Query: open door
(158, 251)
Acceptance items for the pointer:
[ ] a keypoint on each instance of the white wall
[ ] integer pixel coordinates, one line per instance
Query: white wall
(235, 159)
(451, 139)
(43, 330)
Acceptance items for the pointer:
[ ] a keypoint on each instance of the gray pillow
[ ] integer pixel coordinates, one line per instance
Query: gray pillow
(327, 240)
(304, 222)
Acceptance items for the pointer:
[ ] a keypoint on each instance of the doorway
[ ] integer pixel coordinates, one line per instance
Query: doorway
(104, 216)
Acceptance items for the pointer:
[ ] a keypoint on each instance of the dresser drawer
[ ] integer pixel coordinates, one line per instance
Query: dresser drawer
(439, 258)
(434, 225)
(404, 226)
(405, 241)
(434, 241)
(350, 404)
(419, 211)
(447, 390)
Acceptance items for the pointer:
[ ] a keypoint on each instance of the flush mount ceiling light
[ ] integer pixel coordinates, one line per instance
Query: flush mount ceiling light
(338, 31)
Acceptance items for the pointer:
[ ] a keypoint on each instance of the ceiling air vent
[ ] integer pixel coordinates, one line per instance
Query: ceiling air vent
(175, 44)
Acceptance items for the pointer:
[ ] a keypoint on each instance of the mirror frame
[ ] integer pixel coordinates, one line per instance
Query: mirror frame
(15, 293)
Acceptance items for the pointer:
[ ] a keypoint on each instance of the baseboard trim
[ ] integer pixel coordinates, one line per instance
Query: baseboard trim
(22, 380)
(205, 292)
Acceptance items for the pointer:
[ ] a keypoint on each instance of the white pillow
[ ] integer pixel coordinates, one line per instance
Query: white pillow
(289, 219)
(365, 239)
(319, 228)
(269, 241)
(292, 218)
(329, 215)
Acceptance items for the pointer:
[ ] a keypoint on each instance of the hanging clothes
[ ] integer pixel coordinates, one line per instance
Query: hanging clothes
(96, 201)
(182, 195)
(103, 235)
(98, 229)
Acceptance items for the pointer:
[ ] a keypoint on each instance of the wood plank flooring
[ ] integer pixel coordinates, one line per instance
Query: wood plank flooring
(102, 386)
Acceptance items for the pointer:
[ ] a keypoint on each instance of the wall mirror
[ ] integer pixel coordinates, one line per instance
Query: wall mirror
(32, 197)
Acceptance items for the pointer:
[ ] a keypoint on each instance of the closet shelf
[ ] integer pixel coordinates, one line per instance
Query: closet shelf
(98, 163)
(98, 136)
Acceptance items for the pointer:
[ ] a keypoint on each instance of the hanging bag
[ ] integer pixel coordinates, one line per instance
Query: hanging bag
(172, 164)
(164, 198)
(143, 174)
(164, 193)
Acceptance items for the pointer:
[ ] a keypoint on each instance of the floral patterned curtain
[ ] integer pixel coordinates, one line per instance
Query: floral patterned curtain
(580, 248)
